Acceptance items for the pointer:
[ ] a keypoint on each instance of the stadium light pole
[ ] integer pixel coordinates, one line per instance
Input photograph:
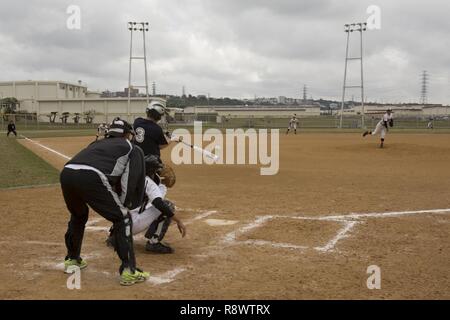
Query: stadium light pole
(143, 27)
(348, 28)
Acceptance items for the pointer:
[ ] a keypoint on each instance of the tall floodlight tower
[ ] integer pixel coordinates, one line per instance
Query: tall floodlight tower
(350, 28)
(139, 27)
(424, 88)
(305, 93)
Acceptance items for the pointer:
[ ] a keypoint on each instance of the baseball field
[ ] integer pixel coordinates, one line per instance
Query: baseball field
(338, 205)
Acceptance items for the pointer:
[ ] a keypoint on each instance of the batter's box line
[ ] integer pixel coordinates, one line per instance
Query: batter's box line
(349, 221)
(91, 224)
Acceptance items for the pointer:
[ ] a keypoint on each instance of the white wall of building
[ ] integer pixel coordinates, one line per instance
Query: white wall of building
(28, 92)
(106, 109)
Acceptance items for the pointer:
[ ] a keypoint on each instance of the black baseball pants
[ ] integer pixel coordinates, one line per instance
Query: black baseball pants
(82, 188)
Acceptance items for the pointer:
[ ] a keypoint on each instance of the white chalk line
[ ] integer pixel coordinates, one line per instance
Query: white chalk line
(200, 216)
(47, 148)
(166, 277)
(220, 222)
(343, 233)
(349, 221)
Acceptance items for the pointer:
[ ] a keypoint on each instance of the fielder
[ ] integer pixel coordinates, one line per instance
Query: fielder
(102, 130)
(382, 126)
(155, 214)
(292, 124)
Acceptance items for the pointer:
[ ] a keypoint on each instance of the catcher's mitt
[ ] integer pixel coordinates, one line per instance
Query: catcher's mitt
(167, 175)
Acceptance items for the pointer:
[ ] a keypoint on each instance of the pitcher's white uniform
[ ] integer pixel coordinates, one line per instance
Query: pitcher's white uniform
(141, 221)
(380, 128)
(293, 123)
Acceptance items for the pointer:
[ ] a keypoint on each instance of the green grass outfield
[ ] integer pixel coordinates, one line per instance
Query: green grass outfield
(21, 167)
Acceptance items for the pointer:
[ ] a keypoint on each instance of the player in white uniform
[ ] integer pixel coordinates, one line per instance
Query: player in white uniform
(292, 124)
(155, 214)
(102, 130)
(382, 126)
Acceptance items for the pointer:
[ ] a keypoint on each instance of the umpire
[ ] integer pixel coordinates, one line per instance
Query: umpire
(109, 176)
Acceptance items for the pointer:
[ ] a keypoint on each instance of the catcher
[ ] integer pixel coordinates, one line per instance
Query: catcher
(382, 126)
(156, 213)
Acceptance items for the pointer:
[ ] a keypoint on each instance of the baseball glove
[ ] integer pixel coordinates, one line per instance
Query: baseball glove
(167, 175)
(391, 122)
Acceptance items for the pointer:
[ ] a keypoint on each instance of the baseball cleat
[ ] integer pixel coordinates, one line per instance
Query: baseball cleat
(127, 278)
(365, 133)
(71, 265)
(158, 247)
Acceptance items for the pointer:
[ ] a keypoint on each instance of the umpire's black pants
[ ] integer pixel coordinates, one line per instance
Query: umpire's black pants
(86, 187)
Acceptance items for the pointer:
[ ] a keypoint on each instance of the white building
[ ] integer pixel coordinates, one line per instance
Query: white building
(255, 111)
(30, 91)
(44, 97)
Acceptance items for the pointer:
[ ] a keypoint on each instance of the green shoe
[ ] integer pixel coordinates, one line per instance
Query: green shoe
(127, 278)
(70, 265)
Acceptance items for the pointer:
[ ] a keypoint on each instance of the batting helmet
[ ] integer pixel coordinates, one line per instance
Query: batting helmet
(155, 110)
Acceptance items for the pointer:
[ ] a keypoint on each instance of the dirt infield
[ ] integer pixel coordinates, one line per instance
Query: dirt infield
(288, 236)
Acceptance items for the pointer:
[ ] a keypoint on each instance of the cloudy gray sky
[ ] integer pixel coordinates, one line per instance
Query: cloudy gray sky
(235, 48)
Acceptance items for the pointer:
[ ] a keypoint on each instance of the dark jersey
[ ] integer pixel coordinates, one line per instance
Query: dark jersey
(149, 136)
(11, 127)
(121, 162)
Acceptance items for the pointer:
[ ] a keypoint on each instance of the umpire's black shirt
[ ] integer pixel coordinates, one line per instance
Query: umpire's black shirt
(149, 136)
(120, 162)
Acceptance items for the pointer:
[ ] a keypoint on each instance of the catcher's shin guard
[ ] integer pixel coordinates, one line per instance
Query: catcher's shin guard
(157, 230)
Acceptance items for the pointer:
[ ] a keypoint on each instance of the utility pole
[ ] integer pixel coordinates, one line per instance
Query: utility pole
(360, 26)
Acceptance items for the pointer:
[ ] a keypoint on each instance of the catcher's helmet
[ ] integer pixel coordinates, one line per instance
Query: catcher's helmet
(152, 164)
(155, 110)
(119, 128)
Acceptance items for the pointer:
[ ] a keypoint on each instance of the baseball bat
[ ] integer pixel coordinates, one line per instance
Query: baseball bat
(197, 148)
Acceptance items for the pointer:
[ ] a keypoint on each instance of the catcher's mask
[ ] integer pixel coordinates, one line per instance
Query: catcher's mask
(120, 128)
(152, 164)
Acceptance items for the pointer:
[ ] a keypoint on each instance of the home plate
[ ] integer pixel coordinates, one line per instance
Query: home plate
(220, 222)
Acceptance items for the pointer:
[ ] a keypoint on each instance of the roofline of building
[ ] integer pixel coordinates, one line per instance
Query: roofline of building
(99, 99)
(43, 82)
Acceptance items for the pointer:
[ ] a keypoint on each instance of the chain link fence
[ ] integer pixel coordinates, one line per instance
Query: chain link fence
(31, 122)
